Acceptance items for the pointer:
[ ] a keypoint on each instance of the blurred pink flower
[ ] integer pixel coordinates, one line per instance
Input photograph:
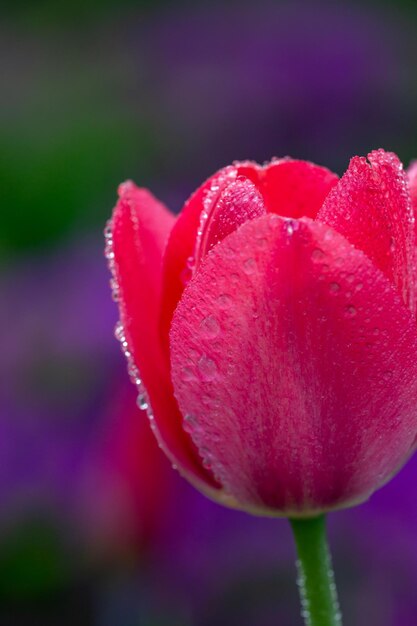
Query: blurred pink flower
(129, 487)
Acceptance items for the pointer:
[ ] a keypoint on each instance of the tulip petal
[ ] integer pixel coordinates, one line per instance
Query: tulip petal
(291, 188)
(181, 245)
(371, 207)
(288, 187)
(237, 203)
(140, 227)
(293, 363)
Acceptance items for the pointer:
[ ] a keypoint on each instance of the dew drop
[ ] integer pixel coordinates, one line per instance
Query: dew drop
(186, 275)
(142, 402)
(317, 254)
(108, 234)
(262, 243)
(206, 457)
(207, 368)
(249, 266)
(350, 310)
(133, 373)
(290, 227)
(190, 423)
(114, 290)
(188, 271)
(108, 252)
(334, 287)
(188, 374)
(119, 331)
(224, 301)
(210, 327)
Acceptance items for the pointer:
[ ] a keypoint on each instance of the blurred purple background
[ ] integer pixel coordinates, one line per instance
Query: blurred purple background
(95, 527)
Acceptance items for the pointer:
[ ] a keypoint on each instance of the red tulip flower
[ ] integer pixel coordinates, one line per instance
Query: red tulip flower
(133, 486)
(273, 326)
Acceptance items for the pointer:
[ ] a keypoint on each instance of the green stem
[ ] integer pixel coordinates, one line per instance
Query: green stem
(315, 574)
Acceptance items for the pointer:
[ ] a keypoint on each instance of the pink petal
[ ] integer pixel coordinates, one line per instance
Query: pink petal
(291, 188)
(181, 244)
(238, 202)
(288, 187)
(140, 227)
(371, 207)
(293, 362)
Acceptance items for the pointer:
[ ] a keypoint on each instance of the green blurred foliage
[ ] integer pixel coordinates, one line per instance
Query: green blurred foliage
(68, 132)
(51, 12)
(33, 559)
(59, 179)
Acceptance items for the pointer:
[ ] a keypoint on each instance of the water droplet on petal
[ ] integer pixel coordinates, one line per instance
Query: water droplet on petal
(206, 457)
(114, 290)
(108, 252)
(224, 301)
(188, 271)
(249, 266)
(188, 374)
(210, 327)
(108, 230)
(190, 423)
(317, 254)
(186, 275)
(207, 368)
(290, 227)
(142, 401)
(350, 310)
(119, 331)
(262, 243)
